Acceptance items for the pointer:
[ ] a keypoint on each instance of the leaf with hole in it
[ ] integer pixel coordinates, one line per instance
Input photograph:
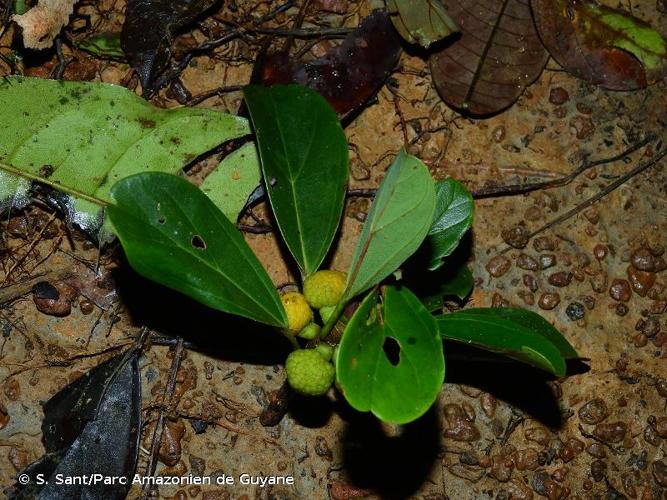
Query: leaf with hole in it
(305, 164)
(496, 57)
(421, 21)
(397, 223)
(453, 217)
(174, 235)
(517, 333)
(81, 137)
(390, 358)
(602, 45)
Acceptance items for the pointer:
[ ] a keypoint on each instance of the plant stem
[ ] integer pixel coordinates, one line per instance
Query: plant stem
(292, 340)
(328, 326)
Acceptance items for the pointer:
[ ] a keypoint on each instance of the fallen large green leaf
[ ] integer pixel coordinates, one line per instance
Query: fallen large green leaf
(174, 235)
(605, 46)
(453, 217)
(398, 389)
(304, 159)
(421, 21)
(517, 333)
(82, 137)
(397, 223)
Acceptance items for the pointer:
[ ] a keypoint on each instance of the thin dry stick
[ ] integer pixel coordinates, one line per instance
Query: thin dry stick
(611, 187)
(159, 425)
(30, 247)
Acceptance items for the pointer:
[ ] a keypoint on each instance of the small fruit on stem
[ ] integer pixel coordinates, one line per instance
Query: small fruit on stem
(298, 312)
(308, 373)
(324, 288)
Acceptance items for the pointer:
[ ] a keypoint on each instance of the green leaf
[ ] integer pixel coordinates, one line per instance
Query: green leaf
(421, 21)
(229, 185)
(370, 381)
(517, 333)
(455, 281)
(104, 45)
(82, 137)
(305, 164)
(397, 223)
(174, 235)
(453, 217)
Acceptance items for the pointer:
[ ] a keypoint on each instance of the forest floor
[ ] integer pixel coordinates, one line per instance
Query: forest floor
(497, 431)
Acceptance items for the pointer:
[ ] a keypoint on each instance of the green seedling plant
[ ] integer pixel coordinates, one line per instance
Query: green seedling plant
(369, 330)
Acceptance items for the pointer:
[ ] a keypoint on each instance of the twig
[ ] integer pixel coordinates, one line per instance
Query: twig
(32, 245)
(159, 425)
(513, 189)
(255, 229)
(587, 203)
(212, 93)
(11, 292)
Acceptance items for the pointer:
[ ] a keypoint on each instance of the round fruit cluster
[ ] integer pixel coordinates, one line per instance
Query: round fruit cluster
(309, 371)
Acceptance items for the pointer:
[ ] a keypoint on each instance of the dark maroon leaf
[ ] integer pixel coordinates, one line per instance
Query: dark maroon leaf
(148, 31)
(497, 56)
(349, 74)
(604, 46)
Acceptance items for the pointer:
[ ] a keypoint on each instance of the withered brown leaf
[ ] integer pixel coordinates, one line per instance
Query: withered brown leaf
(604, 46)
(496, 57)
(347, 75)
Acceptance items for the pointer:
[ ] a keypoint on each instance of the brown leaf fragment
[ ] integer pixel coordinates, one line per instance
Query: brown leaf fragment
(347, 75)
(496, 57)
(604, 46)
(42, 23)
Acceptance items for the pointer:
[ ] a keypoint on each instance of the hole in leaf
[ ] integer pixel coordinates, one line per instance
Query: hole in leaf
(392, 350)
(198, 242)
(161, 220)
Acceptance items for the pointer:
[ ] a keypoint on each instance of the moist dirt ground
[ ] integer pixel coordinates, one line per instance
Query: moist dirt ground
(497, 430)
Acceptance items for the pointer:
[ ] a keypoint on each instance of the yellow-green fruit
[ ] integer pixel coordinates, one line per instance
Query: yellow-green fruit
(299, 313)
(311, 331)
(308, 372)
(324, 288)
(326, 312)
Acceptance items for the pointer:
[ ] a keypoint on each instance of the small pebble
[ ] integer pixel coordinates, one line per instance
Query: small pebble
(643, 260)
(498, 266)
(547, 260)
(558, 96)
(575, 311)
(600, 251)
(531, 282)
(593, 412)
(516, 237)
(640, 281)
(548, 300)
(526, 262)
(620, 290)
(611, 433)
(560, 279)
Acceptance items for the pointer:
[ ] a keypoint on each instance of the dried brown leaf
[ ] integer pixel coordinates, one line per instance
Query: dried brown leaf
(42, 23)
(497, 56)
(604, 46)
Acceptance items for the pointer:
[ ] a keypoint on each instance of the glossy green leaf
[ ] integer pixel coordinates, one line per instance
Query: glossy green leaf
(174, 235)
(397, 223)
(421, 21)
(81, 137)
(229, 185)
(396, 390)
(455, 282)
(517, 333)
(453, 217)
(305, 164)
(104, 45)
